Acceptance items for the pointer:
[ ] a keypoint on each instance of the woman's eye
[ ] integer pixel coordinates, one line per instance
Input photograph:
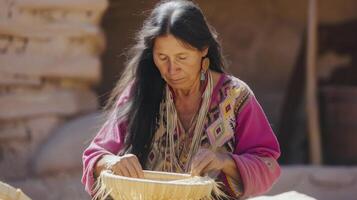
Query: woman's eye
(182, 57)
(162, 58)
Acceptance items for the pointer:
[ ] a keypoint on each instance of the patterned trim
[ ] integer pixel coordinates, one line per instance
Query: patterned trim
(235, 186)
(231, 97)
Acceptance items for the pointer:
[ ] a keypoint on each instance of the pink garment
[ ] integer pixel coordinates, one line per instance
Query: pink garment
(108, 141)
(257, 150)
(256, 147)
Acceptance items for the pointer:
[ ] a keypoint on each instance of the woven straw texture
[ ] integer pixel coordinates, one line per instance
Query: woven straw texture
(157, 186)
(8, 192)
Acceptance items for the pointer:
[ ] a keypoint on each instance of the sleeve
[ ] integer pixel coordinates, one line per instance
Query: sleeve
(255, 154)
(109, 140)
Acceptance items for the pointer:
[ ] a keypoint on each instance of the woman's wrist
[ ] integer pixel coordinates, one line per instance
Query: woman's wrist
(228, 164)
(104, 163)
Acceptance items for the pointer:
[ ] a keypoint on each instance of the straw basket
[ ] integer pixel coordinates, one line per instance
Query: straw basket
(8, 192)
(158, 186)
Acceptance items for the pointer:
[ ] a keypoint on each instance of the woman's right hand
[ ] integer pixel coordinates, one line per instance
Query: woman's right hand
(126, 165)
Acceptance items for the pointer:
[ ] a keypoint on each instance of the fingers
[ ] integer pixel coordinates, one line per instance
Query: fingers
(200, 155)
(137, 167)
(116, 170)
(128, 165)
(124, 169)
(196, 160)
(201, 162)
(202, 167)
(134, 168)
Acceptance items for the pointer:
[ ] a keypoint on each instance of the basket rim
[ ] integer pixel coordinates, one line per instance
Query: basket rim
(206, 181)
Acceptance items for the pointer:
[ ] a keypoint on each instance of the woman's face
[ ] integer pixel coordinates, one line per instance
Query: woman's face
(179, 64)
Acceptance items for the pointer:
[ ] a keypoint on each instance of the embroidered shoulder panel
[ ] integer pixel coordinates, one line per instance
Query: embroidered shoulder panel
(221, 119)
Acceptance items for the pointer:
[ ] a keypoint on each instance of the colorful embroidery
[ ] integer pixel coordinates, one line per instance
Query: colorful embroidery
(220, 126)
(222, 129)
(217, 133)
(222, 118)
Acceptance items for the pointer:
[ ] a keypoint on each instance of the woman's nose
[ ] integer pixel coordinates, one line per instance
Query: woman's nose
(172, 67)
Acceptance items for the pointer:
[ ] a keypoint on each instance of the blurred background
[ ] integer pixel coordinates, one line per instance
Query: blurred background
(59, 60)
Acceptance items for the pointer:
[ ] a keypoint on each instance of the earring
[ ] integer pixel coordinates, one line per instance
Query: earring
(203, 75)
(205, 66)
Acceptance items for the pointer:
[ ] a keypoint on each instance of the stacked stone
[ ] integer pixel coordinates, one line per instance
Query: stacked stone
(49, 62)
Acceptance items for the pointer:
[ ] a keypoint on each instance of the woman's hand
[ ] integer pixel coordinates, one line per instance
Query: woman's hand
(206, 160)
(126, 165)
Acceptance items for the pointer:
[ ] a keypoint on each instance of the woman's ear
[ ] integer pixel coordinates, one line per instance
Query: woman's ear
(204, 52)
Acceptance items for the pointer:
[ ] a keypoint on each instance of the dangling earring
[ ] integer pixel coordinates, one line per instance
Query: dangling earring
(205, 66)
(202, 76)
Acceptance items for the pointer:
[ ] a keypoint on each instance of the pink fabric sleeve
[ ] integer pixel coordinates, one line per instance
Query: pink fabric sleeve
(109, 140)
(256, 152)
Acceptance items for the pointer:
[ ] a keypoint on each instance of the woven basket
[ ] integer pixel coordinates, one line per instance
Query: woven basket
(158, 186)
(8, 192)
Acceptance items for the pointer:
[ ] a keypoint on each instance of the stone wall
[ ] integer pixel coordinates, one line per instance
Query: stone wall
(49, 63)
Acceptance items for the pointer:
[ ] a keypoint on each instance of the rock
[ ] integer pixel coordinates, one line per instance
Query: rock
(61, 101)
(82, 46)
(82, 11)
(40, 129)
(14, 157)
(49, 61)
(18, 80)
(41, 31)
(79, 5)
(63, 152)
(62, 186)
(13, 131)
(15, 152)
(82, 68)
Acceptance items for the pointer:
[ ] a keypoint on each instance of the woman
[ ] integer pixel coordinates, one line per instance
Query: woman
(175, 109)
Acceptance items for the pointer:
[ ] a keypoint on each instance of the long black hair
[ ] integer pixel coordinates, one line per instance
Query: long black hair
(184, 20)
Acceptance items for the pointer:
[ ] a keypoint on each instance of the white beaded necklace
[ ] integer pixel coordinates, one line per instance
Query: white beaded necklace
(172, 124)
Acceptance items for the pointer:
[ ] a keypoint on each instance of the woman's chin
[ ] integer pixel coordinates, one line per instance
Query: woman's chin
(177, 84)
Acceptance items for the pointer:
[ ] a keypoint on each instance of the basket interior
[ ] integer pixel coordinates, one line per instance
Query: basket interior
(164, 176)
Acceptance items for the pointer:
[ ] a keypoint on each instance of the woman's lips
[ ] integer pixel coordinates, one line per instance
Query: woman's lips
(176, 80)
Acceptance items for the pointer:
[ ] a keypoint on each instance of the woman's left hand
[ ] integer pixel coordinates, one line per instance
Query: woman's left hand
(206, 160)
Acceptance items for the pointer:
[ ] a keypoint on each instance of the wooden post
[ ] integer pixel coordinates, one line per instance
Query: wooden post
(312, 107)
